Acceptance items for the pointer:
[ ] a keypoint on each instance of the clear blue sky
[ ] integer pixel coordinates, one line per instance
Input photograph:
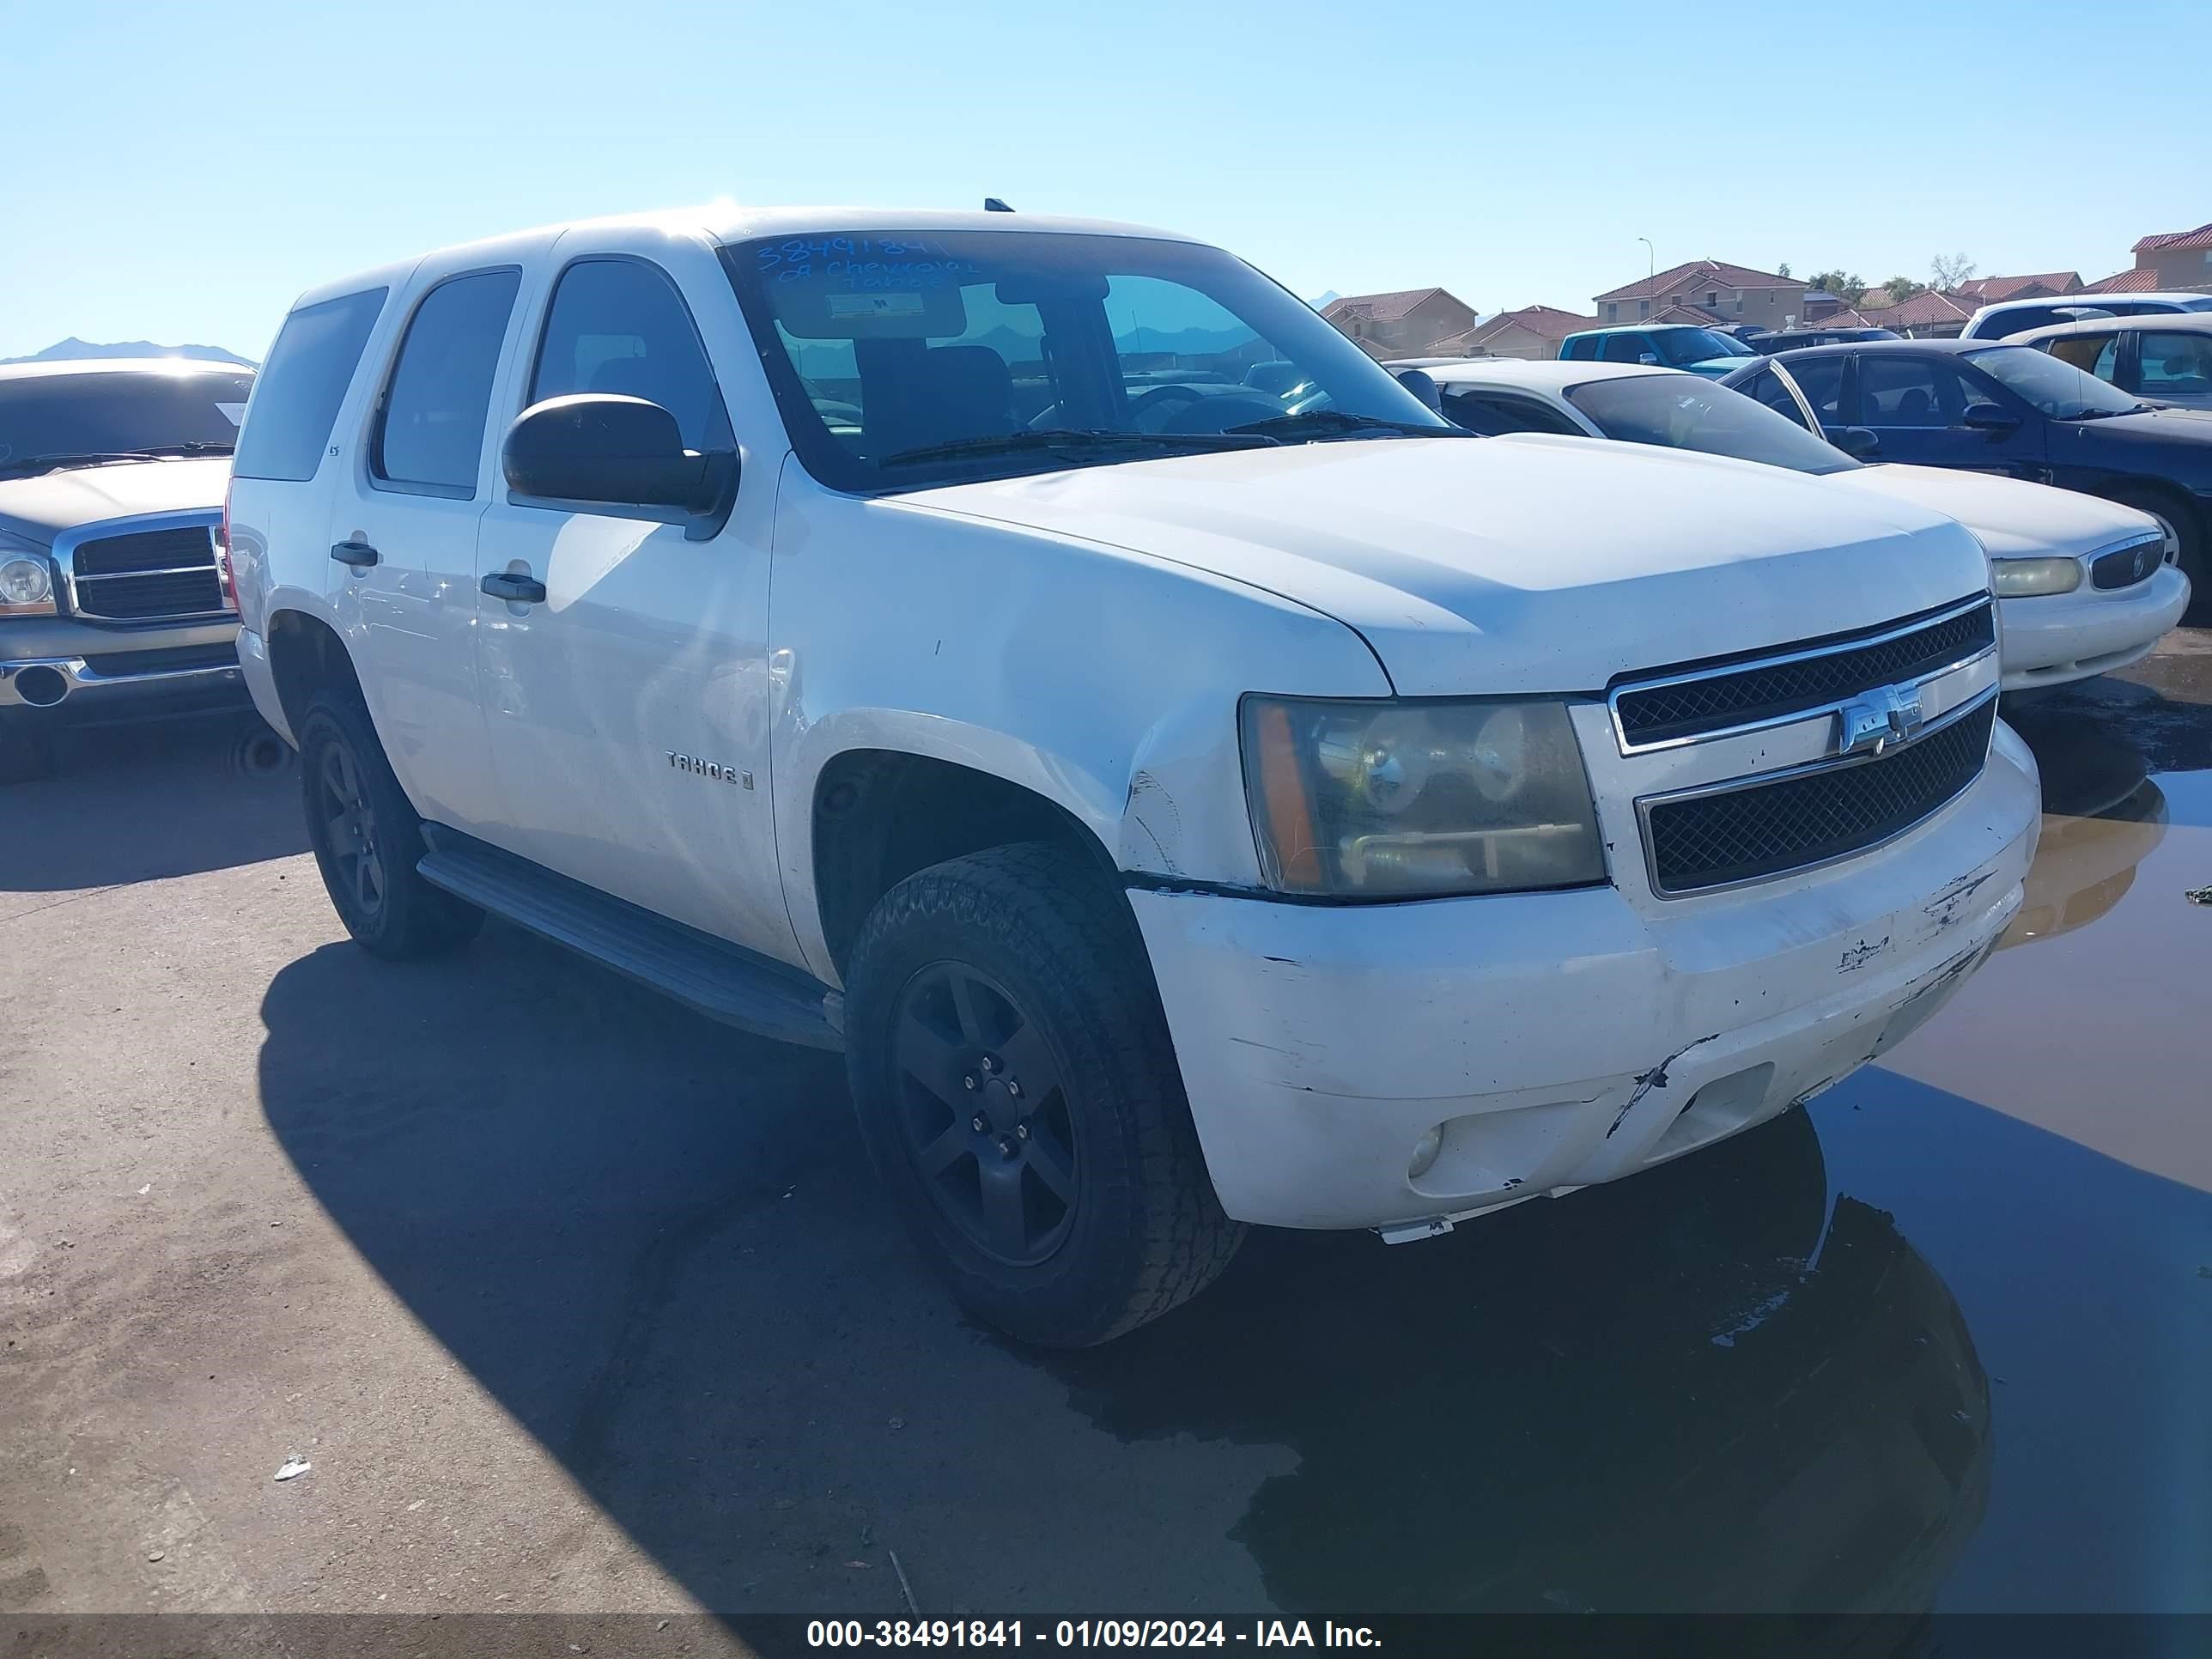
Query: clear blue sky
(177, 171)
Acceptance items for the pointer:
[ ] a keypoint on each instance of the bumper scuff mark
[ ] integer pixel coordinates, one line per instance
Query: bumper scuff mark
(1654, 1078)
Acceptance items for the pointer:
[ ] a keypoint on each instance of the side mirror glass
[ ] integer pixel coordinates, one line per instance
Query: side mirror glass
(1989, 418)
(623, 452)
(1422, 386)
(1856, 441)
(1647, 357)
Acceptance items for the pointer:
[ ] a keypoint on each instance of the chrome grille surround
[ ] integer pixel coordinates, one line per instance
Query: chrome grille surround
(181, 583)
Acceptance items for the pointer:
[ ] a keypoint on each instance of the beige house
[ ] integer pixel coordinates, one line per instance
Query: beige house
(2171, 259)
(1714, 290)
(1532, 332)
(1408, 323)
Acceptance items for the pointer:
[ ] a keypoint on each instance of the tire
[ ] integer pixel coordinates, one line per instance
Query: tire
(24, 756)
(2186, 525)
(367, 846)
(1019, 970)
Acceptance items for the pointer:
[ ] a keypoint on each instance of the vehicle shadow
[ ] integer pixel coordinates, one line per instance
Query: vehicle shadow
(142, 803)
(657, 1245)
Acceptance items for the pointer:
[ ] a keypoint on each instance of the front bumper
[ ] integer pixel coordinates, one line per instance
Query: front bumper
(1550, 1040)
(2055, 638)
(59, 672)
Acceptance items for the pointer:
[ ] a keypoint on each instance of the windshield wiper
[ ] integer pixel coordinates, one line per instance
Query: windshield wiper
(1333, 422)
(1074, 438)
(193, 447)
(2103, 414)
(70, 458)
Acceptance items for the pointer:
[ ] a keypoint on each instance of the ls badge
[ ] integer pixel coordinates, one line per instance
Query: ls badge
(1887, 714)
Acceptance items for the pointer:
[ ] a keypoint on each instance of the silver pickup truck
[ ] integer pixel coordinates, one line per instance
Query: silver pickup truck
(114, 600)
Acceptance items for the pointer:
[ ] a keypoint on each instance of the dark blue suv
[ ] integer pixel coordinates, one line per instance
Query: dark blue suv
(1986, 406)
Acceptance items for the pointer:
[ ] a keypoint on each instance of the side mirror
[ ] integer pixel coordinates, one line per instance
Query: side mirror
(1648, 357)
(1989, 418)
(623, 452)
(1856, 441)
(1423, 386)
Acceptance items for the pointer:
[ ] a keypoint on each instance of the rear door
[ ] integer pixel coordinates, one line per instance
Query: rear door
(628, 711)
(404, 537)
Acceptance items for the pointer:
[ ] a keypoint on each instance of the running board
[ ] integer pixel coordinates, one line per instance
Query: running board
(723, 982)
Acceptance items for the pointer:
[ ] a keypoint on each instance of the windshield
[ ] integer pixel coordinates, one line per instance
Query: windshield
(1681, 411)
(119, 411)
(901, 361)
(2059, 390)
(1677, 346)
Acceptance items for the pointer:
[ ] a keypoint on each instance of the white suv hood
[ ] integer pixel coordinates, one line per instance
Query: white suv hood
(2012, 518)
(1524, 564)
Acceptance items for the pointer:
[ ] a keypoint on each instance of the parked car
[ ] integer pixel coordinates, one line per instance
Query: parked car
(1176, 829)
(2161, 360)
(2009, 318)
(2081, 585)
(1671, 345)
(114, 605)
(1788, 339)
(1992, 406)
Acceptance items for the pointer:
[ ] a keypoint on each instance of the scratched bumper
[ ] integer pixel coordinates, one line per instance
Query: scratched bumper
(1550, 1041)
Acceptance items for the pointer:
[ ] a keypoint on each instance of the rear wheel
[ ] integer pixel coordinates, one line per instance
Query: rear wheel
(367, 839)
(1018, 1093)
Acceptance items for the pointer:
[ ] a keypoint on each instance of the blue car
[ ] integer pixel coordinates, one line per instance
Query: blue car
(1703, 352)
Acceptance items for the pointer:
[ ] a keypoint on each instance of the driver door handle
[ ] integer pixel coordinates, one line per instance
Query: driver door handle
(359, 555)
(516, 587)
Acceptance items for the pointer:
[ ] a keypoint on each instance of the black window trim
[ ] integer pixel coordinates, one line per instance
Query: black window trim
(373, 450)
(1549, 410)
(696, 527)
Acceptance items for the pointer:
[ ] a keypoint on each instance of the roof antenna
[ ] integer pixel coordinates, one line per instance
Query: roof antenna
(993, 204)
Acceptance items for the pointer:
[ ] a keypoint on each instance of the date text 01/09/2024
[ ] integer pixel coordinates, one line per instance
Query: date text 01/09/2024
(1085, 1633)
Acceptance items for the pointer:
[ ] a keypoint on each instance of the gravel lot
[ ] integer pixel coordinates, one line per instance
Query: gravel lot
(577, 1303)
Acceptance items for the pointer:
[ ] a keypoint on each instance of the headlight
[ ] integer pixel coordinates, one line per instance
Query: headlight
(27, 583)
(2016, 578)
(1417, 799)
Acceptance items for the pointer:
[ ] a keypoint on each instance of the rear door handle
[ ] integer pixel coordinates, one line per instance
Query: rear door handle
(358, 555)
(516, 587)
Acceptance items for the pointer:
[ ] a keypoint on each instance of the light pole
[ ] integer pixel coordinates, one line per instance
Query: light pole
(1650, 259)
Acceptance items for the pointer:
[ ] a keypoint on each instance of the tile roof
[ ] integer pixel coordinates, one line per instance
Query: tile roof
(2200, 237)
(1719, 271)
(1930, 306)
(1546, 322)
(2125, 281)
(1988, 290)
(1389, 307)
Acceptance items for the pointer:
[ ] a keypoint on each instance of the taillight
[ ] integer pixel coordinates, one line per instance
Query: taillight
(222, 570)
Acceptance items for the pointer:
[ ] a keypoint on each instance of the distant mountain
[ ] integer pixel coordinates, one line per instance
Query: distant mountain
(1320, 301)
(74, 348)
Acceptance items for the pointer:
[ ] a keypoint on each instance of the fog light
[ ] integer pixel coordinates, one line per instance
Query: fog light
(1424, 1151)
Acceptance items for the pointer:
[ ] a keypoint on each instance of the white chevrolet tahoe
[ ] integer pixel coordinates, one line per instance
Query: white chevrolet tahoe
(1193, 783)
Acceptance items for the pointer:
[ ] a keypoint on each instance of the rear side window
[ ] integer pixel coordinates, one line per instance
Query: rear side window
(297, 396)
(619, 325)
(1580, 350)
(430, 436)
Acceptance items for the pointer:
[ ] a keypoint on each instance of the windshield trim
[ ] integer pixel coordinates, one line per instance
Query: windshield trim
(830, 465)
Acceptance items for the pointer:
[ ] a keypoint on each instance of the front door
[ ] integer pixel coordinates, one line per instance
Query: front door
(1916, 404)
(627, 709)
(403, 543)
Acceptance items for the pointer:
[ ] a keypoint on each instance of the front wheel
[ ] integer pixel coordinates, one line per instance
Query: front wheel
(1019, 1096)
(2182, 527)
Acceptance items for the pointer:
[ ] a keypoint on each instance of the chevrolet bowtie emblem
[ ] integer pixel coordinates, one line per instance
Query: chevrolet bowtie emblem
(1887, 714)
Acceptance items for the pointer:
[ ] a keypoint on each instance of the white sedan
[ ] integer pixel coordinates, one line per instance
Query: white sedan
(2084, 585)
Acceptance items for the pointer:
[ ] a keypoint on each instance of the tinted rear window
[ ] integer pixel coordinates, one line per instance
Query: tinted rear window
(301, 388)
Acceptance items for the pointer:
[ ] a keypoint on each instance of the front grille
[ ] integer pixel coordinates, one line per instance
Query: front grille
(147, 574)
(1811, 817)
(2127, 566)
(1830, 671)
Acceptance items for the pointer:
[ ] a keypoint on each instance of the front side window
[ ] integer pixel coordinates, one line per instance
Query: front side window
(1681, 411)
(48, 421)
(1910, 392)
(296, 400)
(618, 326)
(2059, 390)
(2175, 365)
(430, 435)
(1626, 348)
(901, 361)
